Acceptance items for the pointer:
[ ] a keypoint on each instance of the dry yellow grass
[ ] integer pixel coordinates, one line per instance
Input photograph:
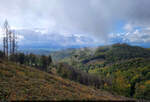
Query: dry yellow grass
(24, 83)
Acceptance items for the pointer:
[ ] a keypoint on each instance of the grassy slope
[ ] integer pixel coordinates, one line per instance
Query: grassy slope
(24, 83)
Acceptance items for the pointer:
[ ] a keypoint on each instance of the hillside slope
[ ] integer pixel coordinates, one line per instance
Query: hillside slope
(125, 68)
(24, 83)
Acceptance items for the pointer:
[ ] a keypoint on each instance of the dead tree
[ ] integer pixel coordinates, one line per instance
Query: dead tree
(14, 43)
(4, 45)
(5, 40)
(9, 40)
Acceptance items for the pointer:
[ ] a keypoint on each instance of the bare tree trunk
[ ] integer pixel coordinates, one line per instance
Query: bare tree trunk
(4, 45)
(9, 40)
(13, 44)
(5, 37)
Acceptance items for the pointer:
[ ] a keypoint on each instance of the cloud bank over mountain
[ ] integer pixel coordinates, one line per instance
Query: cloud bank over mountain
(90, 18)
(40, 38)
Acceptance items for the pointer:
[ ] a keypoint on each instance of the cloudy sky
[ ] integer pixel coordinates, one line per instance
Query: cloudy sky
(78, 22)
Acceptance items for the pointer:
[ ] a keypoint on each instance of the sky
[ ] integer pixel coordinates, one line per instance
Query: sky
(77, 22)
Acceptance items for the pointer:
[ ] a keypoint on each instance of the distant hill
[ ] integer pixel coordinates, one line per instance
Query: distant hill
(119, 52)
(106, 54)
(18, 82)
(36, 51)
(71, 52)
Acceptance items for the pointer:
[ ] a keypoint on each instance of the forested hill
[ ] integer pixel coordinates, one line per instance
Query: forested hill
(108, 53)
(119, 52)
(125, 68)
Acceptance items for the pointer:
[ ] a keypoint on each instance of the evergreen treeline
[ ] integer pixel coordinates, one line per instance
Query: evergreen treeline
(41, 62)
(66, 71)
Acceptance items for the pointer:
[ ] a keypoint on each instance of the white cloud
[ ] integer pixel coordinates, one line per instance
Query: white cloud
(35, 38)
(136, 36)
(94, 17)
(128, 27)
(20, 38)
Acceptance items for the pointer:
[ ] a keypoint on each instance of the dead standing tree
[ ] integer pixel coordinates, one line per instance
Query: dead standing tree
(9, 40)
(14, 43)
(5, 39)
